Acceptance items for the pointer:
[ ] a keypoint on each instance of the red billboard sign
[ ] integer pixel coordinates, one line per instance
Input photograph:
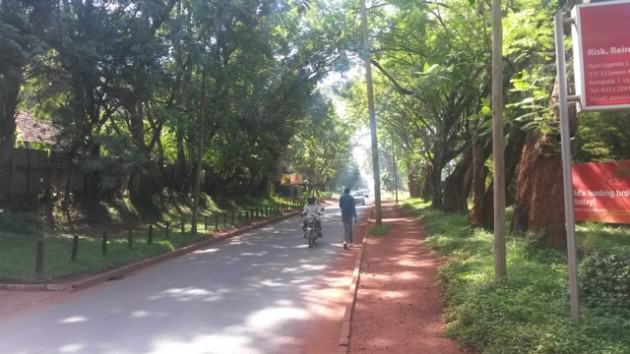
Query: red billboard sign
(601, 48)
(293, 179)
(601, 191)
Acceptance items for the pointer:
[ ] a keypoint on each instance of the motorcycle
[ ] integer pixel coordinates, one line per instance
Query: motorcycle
(313, 231)
(313, 227)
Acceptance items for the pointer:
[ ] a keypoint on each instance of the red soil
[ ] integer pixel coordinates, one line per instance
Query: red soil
(398, 307)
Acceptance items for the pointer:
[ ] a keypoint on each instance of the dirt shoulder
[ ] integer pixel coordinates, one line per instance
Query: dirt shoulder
(398, 308)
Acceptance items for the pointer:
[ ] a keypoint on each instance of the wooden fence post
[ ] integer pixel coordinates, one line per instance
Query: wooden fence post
(75, 248)
(39, 258)
(150, 239)
(104, 244)
(130, 239)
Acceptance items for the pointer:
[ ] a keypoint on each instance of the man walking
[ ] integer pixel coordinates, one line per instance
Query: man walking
(348, 212)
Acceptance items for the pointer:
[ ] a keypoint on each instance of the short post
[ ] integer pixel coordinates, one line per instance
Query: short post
(167, 230)
(130, 239)
(75, 248)
(216, 221)
(39, 258)
(181, 226)
(232, 219)
(150, 239)
(104, 243)
(205, 222)
(225, 217)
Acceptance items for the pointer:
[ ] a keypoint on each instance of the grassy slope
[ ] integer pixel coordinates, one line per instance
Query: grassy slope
(528, 313)
(20, 231)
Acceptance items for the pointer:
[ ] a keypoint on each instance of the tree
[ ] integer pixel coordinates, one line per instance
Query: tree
(19, 23)
(321, 148)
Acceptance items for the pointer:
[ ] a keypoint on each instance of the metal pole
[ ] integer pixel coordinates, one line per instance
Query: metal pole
(498, 143)
(565, 136)
(370, 94)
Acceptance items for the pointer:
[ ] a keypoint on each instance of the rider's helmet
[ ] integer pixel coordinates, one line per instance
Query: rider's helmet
(310, 200)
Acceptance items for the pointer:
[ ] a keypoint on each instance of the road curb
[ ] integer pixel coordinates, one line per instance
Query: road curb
(125, 270)
(346, 324)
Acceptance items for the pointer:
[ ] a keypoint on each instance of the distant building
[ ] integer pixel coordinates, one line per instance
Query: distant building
(35, 133)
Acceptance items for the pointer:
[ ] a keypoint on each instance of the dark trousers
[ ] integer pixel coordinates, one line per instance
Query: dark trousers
(347, 229)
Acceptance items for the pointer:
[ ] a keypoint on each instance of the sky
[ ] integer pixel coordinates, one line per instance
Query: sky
(361, 151)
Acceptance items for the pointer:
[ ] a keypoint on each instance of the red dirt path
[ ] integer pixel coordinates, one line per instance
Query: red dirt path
(327, 302)
(398, 307)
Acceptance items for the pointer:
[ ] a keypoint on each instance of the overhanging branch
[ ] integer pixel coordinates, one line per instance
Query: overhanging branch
(397, 86)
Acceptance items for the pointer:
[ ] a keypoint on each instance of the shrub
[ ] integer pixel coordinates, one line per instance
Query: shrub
(606, 282)
(21, 223)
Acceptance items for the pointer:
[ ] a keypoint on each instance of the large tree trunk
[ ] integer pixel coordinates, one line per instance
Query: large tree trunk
(457, 185)
(427, 189)
(414, 181)
(538, 206)
(479, 173)
(180, 164)
(513, 151)
(10, 81)
(436, 186)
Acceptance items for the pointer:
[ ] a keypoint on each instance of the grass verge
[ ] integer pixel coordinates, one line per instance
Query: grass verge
(380, 230)
(528, 312)
(20, 233)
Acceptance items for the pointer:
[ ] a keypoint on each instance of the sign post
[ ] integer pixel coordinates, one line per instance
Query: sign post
(565, 136)
(601, 51)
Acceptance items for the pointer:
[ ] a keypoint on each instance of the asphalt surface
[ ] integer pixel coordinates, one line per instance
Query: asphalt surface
(242, 295)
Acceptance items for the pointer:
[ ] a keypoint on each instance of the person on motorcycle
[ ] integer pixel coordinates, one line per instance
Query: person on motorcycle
(313, 210)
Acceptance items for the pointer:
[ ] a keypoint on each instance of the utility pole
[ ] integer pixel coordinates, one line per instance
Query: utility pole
(498, 144)
(370, 95)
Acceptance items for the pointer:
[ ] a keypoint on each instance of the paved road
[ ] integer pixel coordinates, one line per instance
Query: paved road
(243, 295)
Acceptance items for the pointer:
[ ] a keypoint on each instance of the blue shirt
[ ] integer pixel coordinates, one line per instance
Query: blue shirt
(347, 206)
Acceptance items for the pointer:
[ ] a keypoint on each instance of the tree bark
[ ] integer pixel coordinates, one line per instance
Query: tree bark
(513, 151)
(538, 206)
(436, 185)
(427, 186)
(457, 185)
(479, 174)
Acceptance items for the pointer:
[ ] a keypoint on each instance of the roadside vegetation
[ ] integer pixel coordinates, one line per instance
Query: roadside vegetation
(20, 231)
(529, 311)
(380, 230)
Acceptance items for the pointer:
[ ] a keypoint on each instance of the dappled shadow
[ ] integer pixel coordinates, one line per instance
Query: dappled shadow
(398, 307)
(243, 295)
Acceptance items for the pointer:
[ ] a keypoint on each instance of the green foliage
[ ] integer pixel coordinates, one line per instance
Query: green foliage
(136, 86)
(21, 223)
(605, 280)
(527, 313)
(603, 136)
(322, 146)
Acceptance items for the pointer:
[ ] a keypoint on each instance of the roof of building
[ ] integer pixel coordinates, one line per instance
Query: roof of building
(31, 130)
